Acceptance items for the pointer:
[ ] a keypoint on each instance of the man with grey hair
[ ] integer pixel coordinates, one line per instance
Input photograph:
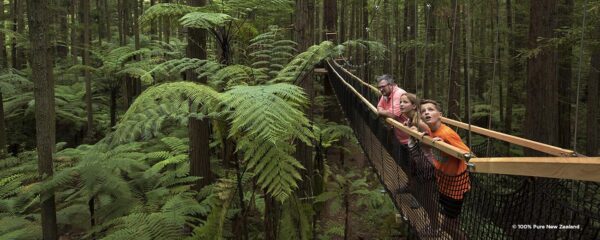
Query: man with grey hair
(389, 107)
(389, 104)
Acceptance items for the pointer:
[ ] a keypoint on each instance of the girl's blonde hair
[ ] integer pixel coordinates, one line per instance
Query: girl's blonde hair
(414, 115)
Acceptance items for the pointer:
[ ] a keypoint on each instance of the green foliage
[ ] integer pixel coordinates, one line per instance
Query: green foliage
(270, 51)
(165, 10)
(156, 105)
(304, 61)
(265, 120)
(204, 20)
(12, 81)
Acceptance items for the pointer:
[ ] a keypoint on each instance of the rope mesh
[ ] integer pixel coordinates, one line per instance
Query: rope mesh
(494, 206)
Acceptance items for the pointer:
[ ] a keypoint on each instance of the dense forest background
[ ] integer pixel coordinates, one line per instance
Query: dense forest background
(150, 119)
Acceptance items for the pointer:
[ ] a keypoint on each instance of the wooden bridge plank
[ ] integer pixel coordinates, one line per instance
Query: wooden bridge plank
(584, 169)
(545, 148)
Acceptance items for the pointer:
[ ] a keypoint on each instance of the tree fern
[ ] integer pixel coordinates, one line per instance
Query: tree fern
(265, 120)
(166, 10)
(159, 103)
(204, 19)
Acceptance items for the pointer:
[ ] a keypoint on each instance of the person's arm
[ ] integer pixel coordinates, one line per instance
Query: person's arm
(381, 111)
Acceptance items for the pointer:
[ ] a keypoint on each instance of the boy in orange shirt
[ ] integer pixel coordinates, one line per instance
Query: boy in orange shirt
(451, 175)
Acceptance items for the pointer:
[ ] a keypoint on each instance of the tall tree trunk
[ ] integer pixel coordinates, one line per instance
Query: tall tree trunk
(410, 29)
(353, 27)
(429, 76)
(18, 54)
(137, 82)
(303, 31)
(454, 84)
(107, 20)
(120, 22)
(3, 53)
(386, 37)
(113, 106)
(330, 19)
(365, 36)
(516, 40)
(271, 218)
(2, 128)
(85, 7)
(541, 115)
(74, 31)
(466, 63)
(167, 26)
(342, 17)
(398, 63)
(199, 131)
(593, 103)
(564, 53)
(99, 22)
(153, 25)
(41, 75)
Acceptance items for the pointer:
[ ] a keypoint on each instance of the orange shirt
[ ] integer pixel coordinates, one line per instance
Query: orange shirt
(449, 182)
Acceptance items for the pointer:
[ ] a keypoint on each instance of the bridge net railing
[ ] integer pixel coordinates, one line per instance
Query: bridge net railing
(495, 206)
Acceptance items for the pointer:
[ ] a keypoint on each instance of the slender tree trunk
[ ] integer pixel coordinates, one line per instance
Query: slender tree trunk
(167, 26)
(303, 30)
(429, 76)
(137, 82)
(271, 218)
(3, 53)
(454, 84)
(365, 36)
(99, 22)
(120, 24)
(516, 40)
(466, 63)
(330, 19)
(398, 38)
(564, 58)
(153, 25)
(342, 17)
(107, 21)
(593, 85)
(2, 128)
(113, 106)
(386, 38)
(541, 116)
(43, 79)
(21, 62)
(85, 7)
(410, 33)
(346, 212)
(353, 27)
(593, 102)
(199, 131)
(74, 31)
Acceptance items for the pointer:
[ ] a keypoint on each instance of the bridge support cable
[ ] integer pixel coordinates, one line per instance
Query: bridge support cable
(495, 206)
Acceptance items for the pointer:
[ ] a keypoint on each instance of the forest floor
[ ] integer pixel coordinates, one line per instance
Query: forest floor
(357, 161)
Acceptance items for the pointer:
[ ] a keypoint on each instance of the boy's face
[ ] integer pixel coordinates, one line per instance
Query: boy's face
(430, 114)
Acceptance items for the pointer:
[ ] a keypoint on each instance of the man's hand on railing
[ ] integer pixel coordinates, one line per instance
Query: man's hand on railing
(385, 114)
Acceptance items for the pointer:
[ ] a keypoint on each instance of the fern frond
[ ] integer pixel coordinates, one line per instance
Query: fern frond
(305, 61)
(204, 20)
(165, 10)
(160, 103)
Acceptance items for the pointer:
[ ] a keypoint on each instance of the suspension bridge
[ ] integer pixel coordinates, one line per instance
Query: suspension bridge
(552, 197)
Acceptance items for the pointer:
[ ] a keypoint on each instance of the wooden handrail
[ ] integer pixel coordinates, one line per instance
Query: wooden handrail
(575, 168)
(538, 146)
(545, 148)
(442, 146)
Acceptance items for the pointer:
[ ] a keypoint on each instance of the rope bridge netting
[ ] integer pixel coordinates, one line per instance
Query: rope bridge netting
(494, 206)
